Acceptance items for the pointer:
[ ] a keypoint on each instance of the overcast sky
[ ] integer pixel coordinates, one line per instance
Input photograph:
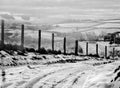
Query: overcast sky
(62, 9)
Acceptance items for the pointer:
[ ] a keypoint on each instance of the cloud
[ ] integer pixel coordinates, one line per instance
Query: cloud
(5, 13)
(61, 9)
(7, 16)
(69, 3)
(14, 17)
(26, 17)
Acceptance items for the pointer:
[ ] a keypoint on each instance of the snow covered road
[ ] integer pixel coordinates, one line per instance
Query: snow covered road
(69, 75)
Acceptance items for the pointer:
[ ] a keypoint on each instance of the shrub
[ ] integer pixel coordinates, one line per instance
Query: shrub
(49, 51)
(56, 52)
(42, 51)
(10, 47)
(30, 49)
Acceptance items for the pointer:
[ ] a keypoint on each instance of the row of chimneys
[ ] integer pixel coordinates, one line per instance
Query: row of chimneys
(39, 41)
(22, 38)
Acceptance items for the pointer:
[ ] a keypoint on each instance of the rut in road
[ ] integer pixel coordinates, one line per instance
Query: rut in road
(53, 80)
(31, 83)
(46, 79)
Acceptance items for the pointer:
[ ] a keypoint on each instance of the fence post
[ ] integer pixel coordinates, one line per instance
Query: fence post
(52, 41)
(39, 40)
(113, 52)
(2, 34)
(97, 49)
(64, 46)
(105, 51)
(22, 37)
(87, 48)
(76, 47)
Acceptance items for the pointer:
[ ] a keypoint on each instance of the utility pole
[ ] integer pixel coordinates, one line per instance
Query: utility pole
(2, 34)
(52, 41)
(105, 51)
(22, 37)
(39, 40)
(76, 47)
(64, 46)
(87, 48)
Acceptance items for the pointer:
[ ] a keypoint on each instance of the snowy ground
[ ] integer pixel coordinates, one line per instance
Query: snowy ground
(81, 74)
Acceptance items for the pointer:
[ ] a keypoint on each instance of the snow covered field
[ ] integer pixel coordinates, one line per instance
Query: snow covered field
(80, 74)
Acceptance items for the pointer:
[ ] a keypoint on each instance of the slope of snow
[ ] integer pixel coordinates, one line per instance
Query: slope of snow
(69, 75)
(46, 71)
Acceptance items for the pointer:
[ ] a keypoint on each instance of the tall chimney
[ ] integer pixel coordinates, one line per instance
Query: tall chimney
(52, 41)
(2, 33)
(64, 46)
(22, 37)
(39, 40)
(76, 47)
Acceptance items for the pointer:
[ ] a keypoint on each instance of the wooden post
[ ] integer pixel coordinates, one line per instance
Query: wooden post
(105, 51)
(97, 49)
(87, 48)
(64, 46)
(39, 40)
(52, 41)
(22, 37)
(113, 53)
(76, 47)
(2, 34)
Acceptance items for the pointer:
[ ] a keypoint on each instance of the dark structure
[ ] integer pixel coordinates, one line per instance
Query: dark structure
(52, 41)
(86, 48)
(39, 40)
(97, 49)
(64, 45)
(105, 51)
(76, 47)
(22, 37)
(113, 38)
(2, 34)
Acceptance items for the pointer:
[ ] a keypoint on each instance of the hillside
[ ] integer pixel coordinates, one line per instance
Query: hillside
(48, 71)
(72, 29)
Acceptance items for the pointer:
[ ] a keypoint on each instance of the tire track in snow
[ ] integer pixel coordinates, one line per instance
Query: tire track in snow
(75, 80)
(71, 78)
(31, 83)
(61, 80)
(65, 79)
(69, 81)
